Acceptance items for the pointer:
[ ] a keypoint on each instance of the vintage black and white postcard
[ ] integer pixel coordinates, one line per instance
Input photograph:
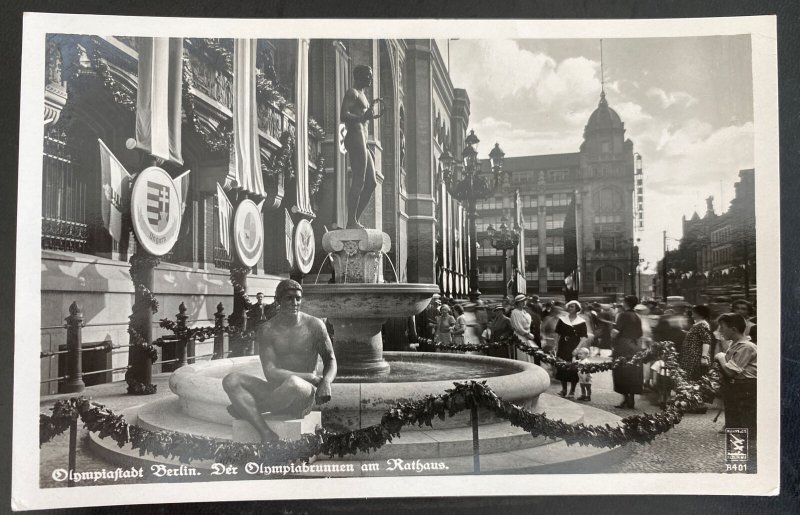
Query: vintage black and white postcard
(349, 258)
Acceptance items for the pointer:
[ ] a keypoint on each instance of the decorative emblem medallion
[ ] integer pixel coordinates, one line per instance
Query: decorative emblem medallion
(304, 246)
(155, 211)
(248, 233)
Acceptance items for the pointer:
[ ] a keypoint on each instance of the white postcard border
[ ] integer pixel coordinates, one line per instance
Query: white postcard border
(26, 493)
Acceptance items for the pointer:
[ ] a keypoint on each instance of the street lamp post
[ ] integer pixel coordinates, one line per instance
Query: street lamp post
(505, 238)
(471, 188)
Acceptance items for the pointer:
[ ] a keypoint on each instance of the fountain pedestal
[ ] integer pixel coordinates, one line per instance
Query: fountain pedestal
(357, 254)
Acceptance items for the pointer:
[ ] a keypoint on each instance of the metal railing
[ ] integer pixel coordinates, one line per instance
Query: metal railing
(181, 347)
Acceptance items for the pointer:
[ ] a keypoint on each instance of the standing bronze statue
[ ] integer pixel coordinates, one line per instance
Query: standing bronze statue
(356, 112)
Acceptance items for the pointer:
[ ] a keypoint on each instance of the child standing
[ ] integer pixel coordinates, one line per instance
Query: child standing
(585, 378)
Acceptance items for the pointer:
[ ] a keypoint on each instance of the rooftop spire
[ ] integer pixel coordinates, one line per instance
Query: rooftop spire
(602, 78)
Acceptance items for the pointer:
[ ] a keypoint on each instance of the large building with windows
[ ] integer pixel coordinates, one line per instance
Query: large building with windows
(90, 94)
(717, 252)
(585, 197)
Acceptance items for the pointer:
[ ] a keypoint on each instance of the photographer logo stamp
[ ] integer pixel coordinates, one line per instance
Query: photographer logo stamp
(736, 444)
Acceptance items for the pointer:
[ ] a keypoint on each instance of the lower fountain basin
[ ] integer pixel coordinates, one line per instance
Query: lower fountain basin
(360, 402)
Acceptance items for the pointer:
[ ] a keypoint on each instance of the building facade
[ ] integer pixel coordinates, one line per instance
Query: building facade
(91, 93)
(716, 256)
(591, 192)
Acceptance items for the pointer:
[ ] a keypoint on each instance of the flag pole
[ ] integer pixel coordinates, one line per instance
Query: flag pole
(158, 138)
(140, 373)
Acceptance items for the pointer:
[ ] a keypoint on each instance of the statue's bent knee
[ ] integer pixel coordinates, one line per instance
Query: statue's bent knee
(231, 381)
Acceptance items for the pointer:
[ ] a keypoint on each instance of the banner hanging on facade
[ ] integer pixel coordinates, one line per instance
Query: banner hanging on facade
(246, 159)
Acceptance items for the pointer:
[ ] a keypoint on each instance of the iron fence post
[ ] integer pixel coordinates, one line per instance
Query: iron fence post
(74, 383)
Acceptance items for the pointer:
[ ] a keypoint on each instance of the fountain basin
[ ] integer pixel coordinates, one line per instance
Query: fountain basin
(357, 403)
(357, 311)
(367, 300)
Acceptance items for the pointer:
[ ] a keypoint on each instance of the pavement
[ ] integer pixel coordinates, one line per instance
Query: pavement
(694, 445)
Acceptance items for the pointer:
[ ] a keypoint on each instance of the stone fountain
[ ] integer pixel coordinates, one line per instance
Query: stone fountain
(370, 381)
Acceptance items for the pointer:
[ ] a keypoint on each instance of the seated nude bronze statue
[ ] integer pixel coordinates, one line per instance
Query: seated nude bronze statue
(356, 111)
(289, 344)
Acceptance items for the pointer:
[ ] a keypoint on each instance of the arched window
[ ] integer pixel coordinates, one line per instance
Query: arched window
(608, 274)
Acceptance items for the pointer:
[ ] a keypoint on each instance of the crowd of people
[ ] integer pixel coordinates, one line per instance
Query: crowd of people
(721, 332)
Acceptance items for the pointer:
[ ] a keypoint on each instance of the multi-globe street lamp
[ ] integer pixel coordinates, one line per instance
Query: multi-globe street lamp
(471, 188)
(504, 238)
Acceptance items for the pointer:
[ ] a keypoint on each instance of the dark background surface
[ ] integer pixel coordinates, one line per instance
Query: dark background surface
(788, 13)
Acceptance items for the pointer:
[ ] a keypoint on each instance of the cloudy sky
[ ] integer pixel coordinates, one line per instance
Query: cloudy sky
(686, 104)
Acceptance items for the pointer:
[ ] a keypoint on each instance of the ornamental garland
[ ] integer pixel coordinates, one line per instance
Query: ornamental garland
(638, 428)
(219, 52)
(316, 176)
(217, 139)
(281, 163)
(268, 90)
(200, 333)
(140, 264)
(238, 288)
(315, 129)
(122, 95)
(656, 351)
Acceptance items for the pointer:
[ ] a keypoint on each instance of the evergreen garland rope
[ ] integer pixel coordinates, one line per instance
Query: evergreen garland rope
(145, 300)
(464, 395)
(238, 288)
(656, 351)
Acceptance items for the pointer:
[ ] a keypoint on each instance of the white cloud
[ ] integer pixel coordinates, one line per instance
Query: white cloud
(500, 70)
(672, 98)
(692, 162)
(631, 113)
(496, 68)
(523, 142)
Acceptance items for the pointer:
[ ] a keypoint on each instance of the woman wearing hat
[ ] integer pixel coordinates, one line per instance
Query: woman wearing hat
(521, 323)
(444, 325)
(627, 378)
(571, 333)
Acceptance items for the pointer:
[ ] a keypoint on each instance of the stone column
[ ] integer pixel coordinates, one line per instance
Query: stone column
(419, 156)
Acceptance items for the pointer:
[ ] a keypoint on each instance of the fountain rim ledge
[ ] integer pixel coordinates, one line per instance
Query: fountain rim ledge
(390, 288)
(194, 381)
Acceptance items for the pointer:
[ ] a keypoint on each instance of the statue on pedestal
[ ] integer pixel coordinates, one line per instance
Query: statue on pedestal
(289, 344)
(356, 111)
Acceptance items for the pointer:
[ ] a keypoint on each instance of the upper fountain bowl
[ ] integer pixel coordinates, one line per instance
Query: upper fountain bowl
(367, 300)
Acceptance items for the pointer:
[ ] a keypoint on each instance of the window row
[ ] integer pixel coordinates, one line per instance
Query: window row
(722, 256)
(495, 203)
(608, 219)
(721, 235)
